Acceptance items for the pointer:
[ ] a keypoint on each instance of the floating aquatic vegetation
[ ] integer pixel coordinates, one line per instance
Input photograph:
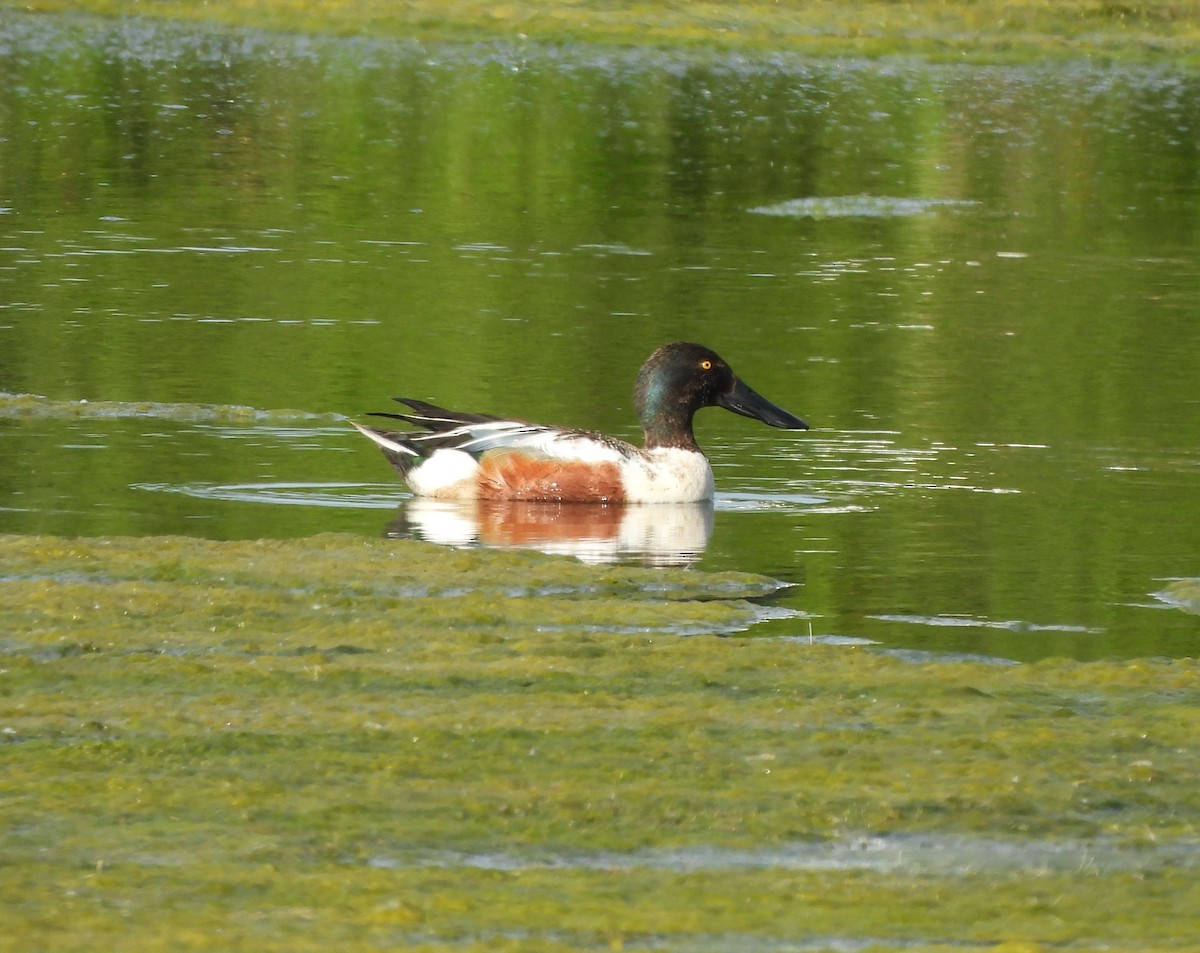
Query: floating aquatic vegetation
(1181, 594)
(446, 749)
(35, 405)
(860, 206)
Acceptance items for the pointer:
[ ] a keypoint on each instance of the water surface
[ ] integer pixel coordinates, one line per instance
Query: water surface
(978, 283)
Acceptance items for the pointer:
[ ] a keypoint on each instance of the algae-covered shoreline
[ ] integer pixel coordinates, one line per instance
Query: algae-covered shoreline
(980, 31)
(364, 744)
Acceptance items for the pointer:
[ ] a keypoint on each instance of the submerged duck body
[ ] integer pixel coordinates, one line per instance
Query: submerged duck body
(479, 456)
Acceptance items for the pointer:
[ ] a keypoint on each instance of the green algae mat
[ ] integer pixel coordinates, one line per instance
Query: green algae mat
(347, 744)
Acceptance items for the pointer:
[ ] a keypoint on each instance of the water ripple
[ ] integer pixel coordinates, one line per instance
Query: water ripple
(345, 495)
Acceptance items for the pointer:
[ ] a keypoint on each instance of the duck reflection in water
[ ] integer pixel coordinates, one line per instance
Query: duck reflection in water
(663, 534)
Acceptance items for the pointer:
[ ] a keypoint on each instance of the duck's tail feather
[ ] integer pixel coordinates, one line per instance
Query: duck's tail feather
(397, 451)
(435, 418)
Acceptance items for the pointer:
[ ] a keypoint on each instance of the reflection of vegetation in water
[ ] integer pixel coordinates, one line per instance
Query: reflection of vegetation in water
(338, 743)
(987, 29)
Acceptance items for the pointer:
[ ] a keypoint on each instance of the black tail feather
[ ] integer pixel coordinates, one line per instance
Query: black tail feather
(434, 418)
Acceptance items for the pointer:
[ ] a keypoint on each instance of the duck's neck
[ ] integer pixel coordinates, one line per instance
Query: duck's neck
(664, 408)
(660, 434)
(666, 423)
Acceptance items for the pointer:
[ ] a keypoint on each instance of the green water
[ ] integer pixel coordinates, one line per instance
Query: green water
(978, 283)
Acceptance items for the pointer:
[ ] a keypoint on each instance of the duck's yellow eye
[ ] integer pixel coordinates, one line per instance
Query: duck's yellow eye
(706, 365)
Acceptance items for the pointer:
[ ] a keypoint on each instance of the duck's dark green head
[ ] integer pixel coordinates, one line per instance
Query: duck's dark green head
(678, 379)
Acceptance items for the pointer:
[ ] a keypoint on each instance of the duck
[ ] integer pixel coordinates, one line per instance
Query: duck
(463, 456)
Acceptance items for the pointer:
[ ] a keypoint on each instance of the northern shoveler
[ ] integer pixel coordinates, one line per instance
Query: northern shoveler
(478, 456)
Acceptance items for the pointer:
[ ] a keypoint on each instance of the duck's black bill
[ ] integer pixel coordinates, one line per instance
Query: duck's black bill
(746, 401)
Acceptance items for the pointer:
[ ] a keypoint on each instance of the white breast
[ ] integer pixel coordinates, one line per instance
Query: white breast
(667, 475)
